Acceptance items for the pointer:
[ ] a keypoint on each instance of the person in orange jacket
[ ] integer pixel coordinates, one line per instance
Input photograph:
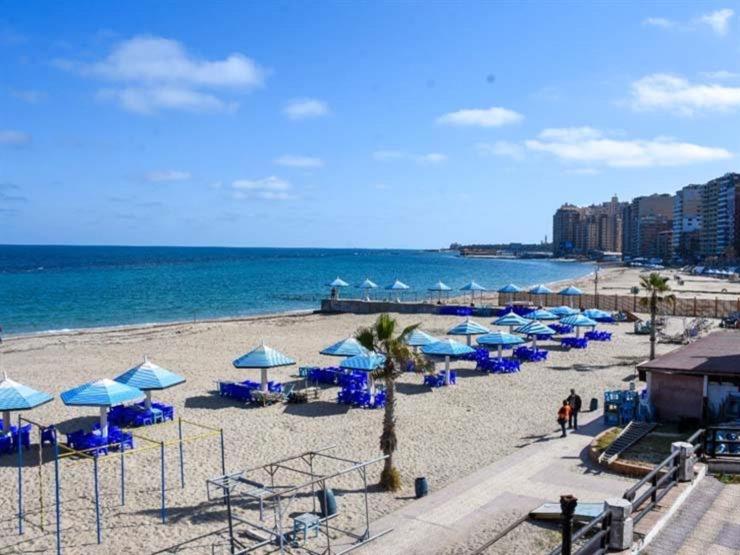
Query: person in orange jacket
(563, 415)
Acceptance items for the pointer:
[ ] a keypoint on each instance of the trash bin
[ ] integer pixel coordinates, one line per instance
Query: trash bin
(594, 404)
(327, 497)
(421, 487)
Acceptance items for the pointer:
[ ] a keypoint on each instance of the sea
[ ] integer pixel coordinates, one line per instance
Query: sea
(59, 288)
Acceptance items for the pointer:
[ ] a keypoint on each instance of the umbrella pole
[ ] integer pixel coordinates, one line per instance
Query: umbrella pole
(447, 370)
(468, 340)
(263, 379)
(6, 421)
(500, 352)
(148, 399)
(104, 421)
(578, 331)
(534, 342)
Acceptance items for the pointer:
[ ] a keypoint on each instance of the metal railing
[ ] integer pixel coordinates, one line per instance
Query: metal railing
(600, 527)
(657, 483)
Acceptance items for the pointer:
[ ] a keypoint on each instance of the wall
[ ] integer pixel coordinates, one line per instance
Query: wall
(676, 396)
(718, 392)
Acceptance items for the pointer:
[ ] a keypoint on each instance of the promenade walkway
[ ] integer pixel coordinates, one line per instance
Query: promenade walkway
(539, 472)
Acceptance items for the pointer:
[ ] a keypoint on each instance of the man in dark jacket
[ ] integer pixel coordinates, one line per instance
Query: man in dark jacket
(575, 407)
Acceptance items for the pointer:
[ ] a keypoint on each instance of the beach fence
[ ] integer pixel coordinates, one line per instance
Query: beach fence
(161, 460)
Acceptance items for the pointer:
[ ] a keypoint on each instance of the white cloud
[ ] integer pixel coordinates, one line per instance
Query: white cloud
(659, 22)
(299, 161)
(487, 117)
(718, 20)
(585, 144)
(161, 176)
(424, 159)
(268, 188)
(501, 148)
(10, 137)
(662, 91)
(303, 108)
(157, 73)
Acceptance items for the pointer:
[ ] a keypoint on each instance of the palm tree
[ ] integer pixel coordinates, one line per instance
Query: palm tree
(381, 338)
(655, 286)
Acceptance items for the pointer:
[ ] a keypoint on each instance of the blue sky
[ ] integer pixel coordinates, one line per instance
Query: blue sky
(352, 124)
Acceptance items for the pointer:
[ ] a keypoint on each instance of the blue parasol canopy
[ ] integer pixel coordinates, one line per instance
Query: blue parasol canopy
(440, 286)
(348, 347)
(535, 328)
(418, 338)
(473, 286)
(102, 393)
(147, 376)
(510, 288)
(368, 284)
(540, 290)
(468, 327)
(579, 321)
(570, 291)
(540, 314)
(499, 338)
(16, 396)
(562, 311)
(338, 282)
(263, 357)
(397, 286)
(367, 362)
(447, 347)
(510, 319)
(596, 314)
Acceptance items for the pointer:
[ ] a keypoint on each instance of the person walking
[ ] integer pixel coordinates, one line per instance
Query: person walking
(563, 416)
(575, 407)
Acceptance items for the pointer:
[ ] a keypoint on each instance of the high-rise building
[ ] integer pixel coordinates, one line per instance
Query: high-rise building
(565, 230)
(685, 241)
(582, 230)
(642, 221)
(720, 212)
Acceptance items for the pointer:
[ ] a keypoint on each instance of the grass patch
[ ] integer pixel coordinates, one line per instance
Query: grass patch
(729, 479)
(653, 448)
(607, 439)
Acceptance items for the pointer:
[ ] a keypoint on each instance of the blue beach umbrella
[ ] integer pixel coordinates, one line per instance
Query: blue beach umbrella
(499, 339)
(447, 348)
(510, 319)
(368, 286)
(467, 327)
(540, 314)
(440, 287)
(510, 289)
(348, 347)
(570, 291)
(147, 376)
(534, 329)
(365, 362)
(103, 393)
(562, 311)
(15, 396)
(263, 357)
(540, 290)
(473, 287)
(418, 338)
(596, 314)
(397, 286)
(578, 321)
(337, 284)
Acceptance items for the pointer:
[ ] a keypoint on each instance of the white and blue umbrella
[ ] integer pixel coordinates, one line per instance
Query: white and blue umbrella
(418, 338)
(510, 289)
(367, 286)
(467, 327)
(348, 347)
(338, 282)
(596, 314)
(147, 376)
(540, 314)
(562, 311)
(15, 396)
(578, 321)
(103, 393)
(263, 357)
(447, 348)
(540, 290)
(570, 291)
(397, 286)
(365, 363)
(499, 339)
(473, 287)
(510, 319)
(534, 329)
(440, 287)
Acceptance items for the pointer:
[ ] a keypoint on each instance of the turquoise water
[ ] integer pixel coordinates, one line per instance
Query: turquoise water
(44, 288)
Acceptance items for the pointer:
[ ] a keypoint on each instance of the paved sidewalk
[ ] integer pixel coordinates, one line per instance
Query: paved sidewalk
(540, 472)
(708, 523)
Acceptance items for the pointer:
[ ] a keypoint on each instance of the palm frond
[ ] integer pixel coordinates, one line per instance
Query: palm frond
(385, 326)
(366, 338)
(407, 331)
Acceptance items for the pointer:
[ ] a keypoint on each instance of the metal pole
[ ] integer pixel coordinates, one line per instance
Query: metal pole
(567, 507)
(182, 461)
(366, 535)
(20, 478)
(123, 475)
(164, 501)
(97, 499)
(228, 515)
(57, 495)
(223, 453)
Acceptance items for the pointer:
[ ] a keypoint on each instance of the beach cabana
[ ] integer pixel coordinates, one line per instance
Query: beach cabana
(578, 321)
(570, 291)
(468, 328)
(418, 338)
(337, 284)
(397, 286)
(499, 339)
(368, 363)
(511, 319)
(16, 397)
(562, 311)
(541, 314)
(473, 287)
(103, 394)
(447, 348)
(440, 287)
(368, 286)
(540, 290)
(149, 377)
(596, 314)
(510, 289)
(348, 347)
(534, 329)
(263, 357)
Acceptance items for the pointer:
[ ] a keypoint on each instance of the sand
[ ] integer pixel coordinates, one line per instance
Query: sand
(443, 434)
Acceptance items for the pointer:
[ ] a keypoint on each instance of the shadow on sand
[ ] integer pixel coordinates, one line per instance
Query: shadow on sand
(316, 409)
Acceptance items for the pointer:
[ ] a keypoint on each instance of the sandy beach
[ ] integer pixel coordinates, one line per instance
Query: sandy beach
(443, 434)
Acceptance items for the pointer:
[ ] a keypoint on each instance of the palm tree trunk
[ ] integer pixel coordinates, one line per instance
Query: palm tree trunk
(653, 310)
(389, 478)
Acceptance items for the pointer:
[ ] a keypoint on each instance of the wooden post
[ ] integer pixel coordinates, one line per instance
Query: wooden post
(716, 306)
(694, 307)
(616, 303)
(567, 507)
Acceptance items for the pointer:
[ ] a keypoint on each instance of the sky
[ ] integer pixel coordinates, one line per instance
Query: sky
(352, 124)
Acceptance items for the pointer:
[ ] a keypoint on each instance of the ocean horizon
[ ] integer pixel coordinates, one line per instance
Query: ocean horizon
(46, 288)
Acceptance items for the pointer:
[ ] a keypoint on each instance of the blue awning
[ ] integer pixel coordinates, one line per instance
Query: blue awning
(563, 311)
(570, 291)
(540, 290)
(397, 286)
(596, 314)
(338, 282)
(147, 376)
(102, 393)
(348, 347)
(368, 284)
(418, 338)
(15, 396)
(468, 327)
(579, 321)
(540, 314)
(263, 357)
(440, 286)
(473, 286)
(511, 319)
(499, 338)
(447, 347)
(535, 328)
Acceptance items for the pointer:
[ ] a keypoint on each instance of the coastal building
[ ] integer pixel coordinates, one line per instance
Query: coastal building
(699, 381)
(720, 213)
(643, 219)
(685, 241)
(589, 229)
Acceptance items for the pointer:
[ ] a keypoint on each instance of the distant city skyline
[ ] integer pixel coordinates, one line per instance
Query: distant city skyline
(352, 125)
